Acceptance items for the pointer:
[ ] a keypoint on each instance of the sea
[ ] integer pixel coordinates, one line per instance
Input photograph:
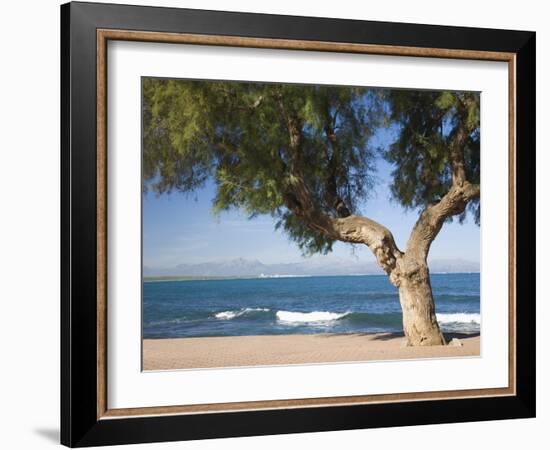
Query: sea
(299, 305)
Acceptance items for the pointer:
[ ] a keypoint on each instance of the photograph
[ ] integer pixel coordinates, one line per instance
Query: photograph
(292, 224)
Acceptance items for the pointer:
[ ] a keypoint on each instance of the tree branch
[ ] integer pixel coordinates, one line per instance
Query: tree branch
(359, 229)
(452, 203)
(353, 229)
(457, 156)
(333, 199)
(431, 219)
(253, 107)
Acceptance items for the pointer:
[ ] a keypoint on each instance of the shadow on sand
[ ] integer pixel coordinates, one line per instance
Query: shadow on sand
(390, 336)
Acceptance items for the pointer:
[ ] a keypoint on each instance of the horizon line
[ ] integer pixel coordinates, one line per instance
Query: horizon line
(160, 278)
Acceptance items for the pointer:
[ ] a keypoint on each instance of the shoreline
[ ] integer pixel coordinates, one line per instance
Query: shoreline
(289, 349)
(162, 278)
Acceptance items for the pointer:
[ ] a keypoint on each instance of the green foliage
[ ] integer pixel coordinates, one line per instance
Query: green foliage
(237, 134)
(428, 122)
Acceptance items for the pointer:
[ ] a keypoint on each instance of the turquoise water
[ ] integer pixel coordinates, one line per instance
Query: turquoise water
(339, 304)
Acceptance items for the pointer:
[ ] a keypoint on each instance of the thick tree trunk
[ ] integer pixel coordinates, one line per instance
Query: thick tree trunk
(417, 303)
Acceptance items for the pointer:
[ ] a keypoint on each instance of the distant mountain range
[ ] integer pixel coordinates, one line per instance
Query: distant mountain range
(241, 267)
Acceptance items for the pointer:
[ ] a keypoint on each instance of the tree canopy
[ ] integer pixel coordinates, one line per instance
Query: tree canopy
(303, 153)
(431, 125)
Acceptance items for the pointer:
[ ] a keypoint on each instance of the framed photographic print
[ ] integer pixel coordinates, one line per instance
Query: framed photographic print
(276, 224)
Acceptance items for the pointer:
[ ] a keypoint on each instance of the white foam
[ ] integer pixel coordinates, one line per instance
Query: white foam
(459, 318)
(315, 316)
(227, 315)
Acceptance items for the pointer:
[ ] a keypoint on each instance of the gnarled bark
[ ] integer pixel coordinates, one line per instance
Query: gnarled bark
(415, 296)
(431, 219)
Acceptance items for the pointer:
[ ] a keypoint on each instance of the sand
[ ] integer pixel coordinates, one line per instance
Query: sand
(234, 351)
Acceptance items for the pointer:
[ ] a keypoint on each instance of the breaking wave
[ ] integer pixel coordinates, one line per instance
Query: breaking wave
(310, 317)
(458, 318)
(227, 315)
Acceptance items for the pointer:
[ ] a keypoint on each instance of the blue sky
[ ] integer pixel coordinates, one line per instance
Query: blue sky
(181, 229)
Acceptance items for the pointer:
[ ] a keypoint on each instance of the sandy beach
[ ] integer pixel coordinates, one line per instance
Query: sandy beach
(234, 351)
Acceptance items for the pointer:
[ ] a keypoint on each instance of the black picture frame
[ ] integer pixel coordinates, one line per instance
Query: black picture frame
(80, 425)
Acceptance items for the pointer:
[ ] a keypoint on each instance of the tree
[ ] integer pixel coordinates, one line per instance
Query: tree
(302, 154)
